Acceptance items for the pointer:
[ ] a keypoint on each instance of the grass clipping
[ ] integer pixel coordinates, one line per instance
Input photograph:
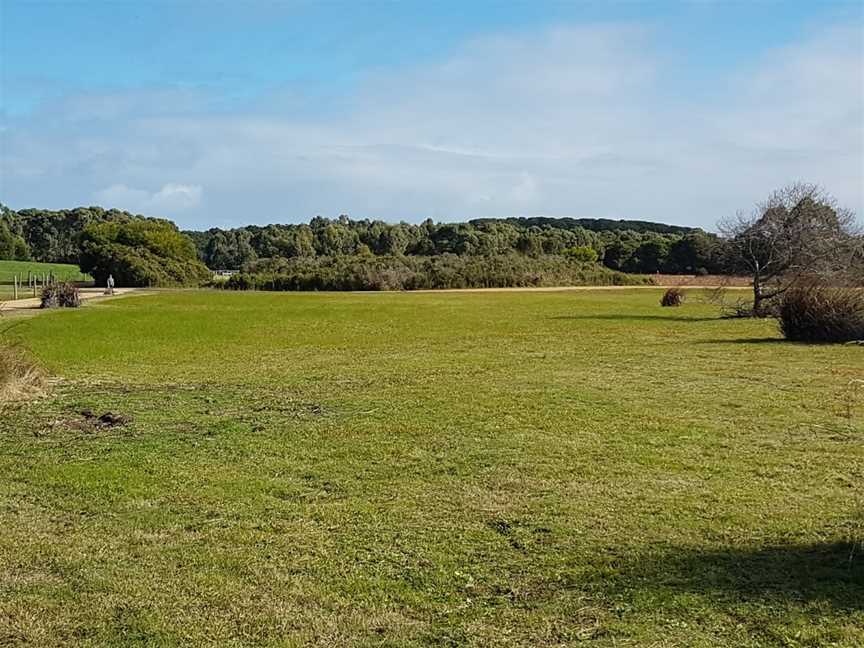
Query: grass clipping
(20, 378)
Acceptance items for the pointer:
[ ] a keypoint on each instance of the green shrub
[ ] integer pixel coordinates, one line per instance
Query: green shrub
(816, 313)
(582, 254)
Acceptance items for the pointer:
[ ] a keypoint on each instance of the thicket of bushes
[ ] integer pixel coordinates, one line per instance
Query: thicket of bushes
(417, 273)
(143, 252)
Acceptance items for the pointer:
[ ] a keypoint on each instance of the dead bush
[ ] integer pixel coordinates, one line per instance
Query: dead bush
(672, 297)
(61, 295)
(819, 313)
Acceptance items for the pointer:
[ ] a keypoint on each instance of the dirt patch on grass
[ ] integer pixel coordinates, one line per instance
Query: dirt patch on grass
(106, 420)
(89, 422)
(90, 407)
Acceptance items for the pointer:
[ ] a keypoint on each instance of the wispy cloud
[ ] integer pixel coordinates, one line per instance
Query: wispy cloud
(171, 198)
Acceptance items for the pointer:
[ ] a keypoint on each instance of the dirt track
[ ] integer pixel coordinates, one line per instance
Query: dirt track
(706, 282)
(576, 288)
(31, 305)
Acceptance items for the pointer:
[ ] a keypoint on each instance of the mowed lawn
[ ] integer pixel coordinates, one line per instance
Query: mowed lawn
(23, 269)
(438, 469)
(62, 271)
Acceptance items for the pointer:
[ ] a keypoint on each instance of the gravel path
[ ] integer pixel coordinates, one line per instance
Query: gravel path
(31, 305)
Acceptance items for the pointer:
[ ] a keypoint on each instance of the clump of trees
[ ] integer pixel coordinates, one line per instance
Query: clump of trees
(142, 252)
(55, 236)
(138, 251)
(370, 272)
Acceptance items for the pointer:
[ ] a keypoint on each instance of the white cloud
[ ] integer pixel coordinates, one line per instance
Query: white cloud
(171, 198)
(178, 196)
(584, 121)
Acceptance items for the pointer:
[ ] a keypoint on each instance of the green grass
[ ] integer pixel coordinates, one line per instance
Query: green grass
(9, 269)
(63, 271)
(490, 469)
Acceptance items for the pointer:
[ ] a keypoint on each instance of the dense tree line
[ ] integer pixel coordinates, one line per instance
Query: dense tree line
(593, 224)
(388, 272)
(671, 249)
(626, 246)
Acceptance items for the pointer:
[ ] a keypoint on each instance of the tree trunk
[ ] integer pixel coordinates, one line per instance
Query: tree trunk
(757, 296)
(758, 305)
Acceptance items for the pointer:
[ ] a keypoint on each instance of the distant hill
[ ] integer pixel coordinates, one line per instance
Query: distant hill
(593, 224)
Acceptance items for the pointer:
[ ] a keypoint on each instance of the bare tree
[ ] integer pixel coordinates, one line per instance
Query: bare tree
(798, 232)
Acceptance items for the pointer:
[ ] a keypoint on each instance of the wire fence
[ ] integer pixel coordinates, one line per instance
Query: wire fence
(29, 285)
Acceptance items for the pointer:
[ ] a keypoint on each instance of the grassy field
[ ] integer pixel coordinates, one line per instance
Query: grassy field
(63, 271)
(8, 270)
(492, 469)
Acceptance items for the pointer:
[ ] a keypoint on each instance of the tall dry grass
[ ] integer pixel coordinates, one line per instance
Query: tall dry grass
(20, 378)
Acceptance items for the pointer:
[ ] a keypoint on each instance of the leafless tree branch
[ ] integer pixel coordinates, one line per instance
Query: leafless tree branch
(798, 232)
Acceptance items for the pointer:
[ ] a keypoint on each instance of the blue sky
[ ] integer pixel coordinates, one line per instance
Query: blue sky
(226, 113)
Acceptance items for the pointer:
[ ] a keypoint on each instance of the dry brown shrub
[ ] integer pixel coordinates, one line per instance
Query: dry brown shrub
(820, 313)
(672, 297)
(20, 378)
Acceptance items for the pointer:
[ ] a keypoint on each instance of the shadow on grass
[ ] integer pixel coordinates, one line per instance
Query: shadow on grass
(762, 340)
(636, 318)
(777, 340)
(831, 573)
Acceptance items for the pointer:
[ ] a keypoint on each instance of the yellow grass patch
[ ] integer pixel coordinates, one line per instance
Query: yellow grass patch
(20, 378)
